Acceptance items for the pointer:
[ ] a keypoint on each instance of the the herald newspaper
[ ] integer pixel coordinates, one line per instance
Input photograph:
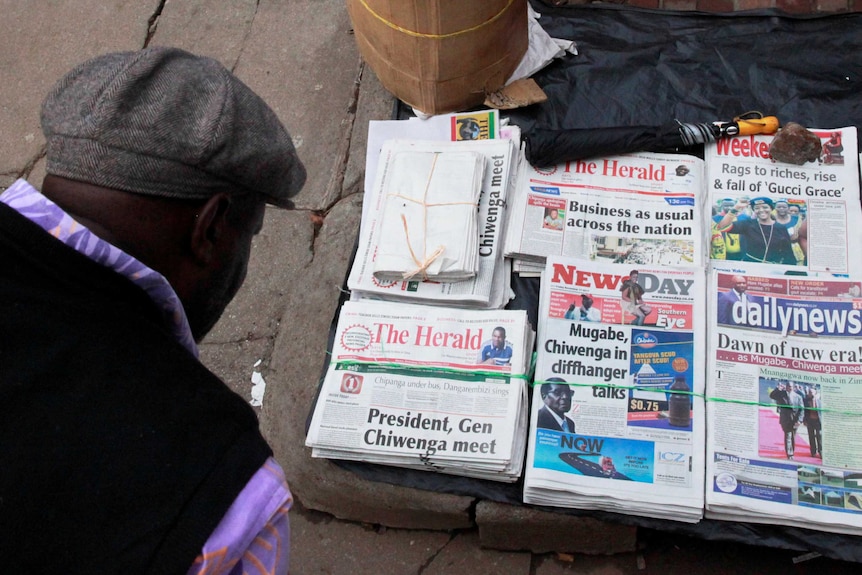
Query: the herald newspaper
(645, 208)
(617, 418)
(428, 387)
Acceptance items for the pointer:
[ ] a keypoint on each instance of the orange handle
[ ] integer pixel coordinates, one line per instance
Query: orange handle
(765, 125)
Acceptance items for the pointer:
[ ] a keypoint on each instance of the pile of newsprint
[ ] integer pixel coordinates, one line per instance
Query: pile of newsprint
(440, 386)
(697, 349)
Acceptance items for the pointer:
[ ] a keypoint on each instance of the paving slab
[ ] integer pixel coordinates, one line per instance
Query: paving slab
(463, 554)
(320, 546)
(215, 29)
(41, 41)
(518, 527)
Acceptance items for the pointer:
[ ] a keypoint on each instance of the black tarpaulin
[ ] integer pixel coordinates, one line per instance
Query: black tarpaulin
(647, 68)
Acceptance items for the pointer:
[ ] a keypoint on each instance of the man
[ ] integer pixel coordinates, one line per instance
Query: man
(497, 351)
(762, 240)
(724, 245)
(558, 401)
(120, 451)
(811, 419)
(790, 414)
(632, 295)
(735, 297)
(585, 312)
(791, 221)
(553, 221)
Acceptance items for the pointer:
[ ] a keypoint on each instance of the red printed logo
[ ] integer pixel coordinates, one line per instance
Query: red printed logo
(351, 383)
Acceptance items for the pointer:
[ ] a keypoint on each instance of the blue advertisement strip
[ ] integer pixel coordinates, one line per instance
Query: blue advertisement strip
(592, 456)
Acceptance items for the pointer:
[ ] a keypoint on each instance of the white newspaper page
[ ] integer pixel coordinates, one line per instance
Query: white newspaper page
(643, 209)
(618, 395)
(797, 218)
(784, 400)
(429, 384)
(482, 291)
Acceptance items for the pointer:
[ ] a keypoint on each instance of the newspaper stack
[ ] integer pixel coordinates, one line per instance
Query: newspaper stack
(426, 387)
(489, 288)
(814, 207)
(428, 230)
(618, 415)
(645, 208)
(783, 392)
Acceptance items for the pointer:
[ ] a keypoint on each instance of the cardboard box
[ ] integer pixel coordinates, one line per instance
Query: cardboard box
(441, 56)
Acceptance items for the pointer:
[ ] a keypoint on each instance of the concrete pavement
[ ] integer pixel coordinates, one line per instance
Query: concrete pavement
(300, 56)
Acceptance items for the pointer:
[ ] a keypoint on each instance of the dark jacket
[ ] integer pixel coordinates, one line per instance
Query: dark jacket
(119, 451)
(546, 420)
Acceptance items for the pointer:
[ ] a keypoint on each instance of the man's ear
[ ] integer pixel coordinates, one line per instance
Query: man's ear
(209, 226)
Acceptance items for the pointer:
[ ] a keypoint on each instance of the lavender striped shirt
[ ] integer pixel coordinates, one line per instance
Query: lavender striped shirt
(253, 536)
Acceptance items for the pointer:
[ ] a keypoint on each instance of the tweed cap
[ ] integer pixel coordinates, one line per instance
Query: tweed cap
(164, 122)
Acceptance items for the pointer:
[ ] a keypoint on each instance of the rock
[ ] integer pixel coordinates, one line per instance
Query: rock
(795, 144)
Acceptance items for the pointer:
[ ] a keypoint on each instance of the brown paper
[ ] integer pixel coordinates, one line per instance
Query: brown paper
(518, 94)
(441, 57)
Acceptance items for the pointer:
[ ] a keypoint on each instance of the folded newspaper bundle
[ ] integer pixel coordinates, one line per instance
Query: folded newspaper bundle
(426, 387)
(785, 399)
(617, 420)
(428, 230)
(489, 288)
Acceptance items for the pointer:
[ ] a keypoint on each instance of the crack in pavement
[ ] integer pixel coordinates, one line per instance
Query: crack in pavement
(333, 193)
(153, 22)
(430, 560)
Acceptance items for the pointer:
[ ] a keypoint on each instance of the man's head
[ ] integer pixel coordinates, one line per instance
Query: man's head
(498, 337)
(586, 301)
(557, 396)
(782, 208)
(172, 158)
(727, 204)
(633, 276)
(739, 284)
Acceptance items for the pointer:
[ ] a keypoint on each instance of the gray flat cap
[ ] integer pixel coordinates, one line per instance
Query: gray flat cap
(164, 122)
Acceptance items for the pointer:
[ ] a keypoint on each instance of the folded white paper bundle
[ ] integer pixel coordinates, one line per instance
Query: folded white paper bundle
(430, 217)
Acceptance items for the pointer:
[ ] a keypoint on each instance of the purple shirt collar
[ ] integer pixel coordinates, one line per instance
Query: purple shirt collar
(30, 203)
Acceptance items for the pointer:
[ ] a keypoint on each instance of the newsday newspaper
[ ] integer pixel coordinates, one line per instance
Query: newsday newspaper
(617, 418)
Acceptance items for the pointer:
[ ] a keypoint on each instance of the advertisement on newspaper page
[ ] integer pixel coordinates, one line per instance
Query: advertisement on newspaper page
(790, 217)
(430, 382)
(619, 381)
(643, 209)
(785, 397)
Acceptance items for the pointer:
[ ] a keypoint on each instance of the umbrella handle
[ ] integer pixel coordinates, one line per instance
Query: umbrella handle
(765, 125)
(746, 127)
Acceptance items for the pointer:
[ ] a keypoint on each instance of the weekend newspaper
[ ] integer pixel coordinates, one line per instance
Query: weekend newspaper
(644, 208)
(426, 386)
(811, 211)
(620, 361)
(784, 400)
